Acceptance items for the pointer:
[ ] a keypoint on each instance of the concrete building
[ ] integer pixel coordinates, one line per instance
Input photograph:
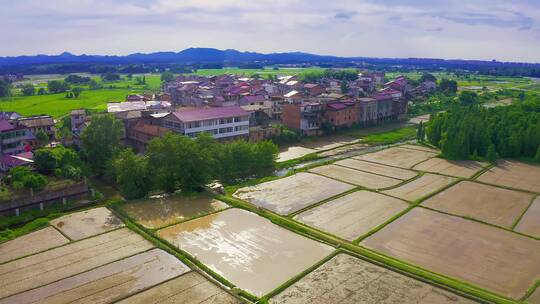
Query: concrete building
(221, 123)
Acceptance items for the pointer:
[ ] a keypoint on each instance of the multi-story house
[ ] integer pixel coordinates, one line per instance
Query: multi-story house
(303, 116)
(221, 123)
(13, 138)
(35, 124)
(341, 113)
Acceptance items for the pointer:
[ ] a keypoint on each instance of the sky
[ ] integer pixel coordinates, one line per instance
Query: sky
(503, 30)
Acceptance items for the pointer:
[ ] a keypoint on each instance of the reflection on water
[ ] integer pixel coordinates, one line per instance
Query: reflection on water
(163, 210)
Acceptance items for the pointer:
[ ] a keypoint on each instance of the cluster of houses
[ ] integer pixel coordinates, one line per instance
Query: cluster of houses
(229, 107)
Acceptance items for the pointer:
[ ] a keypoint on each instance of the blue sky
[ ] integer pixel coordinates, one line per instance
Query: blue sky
(474, 29)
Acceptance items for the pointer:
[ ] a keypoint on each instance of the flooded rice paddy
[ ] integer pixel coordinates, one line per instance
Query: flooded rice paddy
(489, 204)
(379, 169)
(398, 157)
(355, 177)
(352, 215)
(530, 222)
(166, 210)
(87, 223)
(189, 288)
(31, 243)
(420, 187)
(486, 256)
(290, 194)
(513, 174)
(107, 283)
(349, 280)
(248, 250)
(458, 168)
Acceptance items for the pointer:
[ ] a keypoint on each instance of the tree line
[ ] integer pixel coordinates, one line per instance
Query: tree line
(472, 132)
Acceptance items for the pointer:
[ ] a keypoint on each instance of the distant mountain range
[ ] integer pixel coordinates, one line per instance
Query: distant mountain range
(231, 57)
(191, 55)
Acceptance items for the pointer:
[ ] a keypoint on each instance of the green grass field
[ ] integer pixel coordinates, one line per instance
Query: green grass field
(261, 72)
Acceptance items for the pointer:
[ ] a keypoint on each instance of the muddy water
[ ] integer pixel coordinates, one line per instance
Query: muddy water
(109, 282)
(399, 157)
(246, 249)
(166, 210)
(420, 187)
(486, 256)
(87, 223)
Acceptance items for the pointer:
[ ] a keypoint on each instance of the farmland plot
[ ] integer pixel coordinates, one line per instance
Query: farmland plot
(398, 157)
(458, 168)
(31, 243)
(248, 250)
(379, 169)
(356, 177)
(530, 222)
(535, 297)
(107, 283)
(489, 204)
(489, 257)
(420, 148)
(353, 215)
(189, 288)
(513, 174)
(162, 211)
(420, 187)
(61, 262)
(349, 280)
(87, 223)
(290, 194)
(294, 152)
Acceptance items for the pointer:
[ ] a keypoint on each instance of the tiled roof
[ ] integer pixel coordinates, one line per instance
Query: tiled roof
(209, 113)
(337, 106)
(5, 125)
(36, 121)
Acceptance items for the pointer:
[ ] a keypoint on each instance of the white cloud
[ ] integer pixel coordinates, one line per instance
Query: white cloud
(476, 29)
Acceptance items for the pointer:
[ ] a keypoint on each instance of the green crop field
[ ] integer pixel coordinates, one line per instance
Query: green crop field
(249, 72)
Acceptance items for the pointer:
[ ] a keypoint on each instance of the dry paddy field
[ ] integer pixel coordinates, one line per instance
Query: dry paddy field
(248, 250)
(486, 256)
(513, 174)
(355, 177)
(398, 157)
(458, 168)
(290, 194)
(31, 243)
(166, 210)
(535, 297)
(349, 280)
(378, 169)
(420, 187)
(353, 215)
(530, 222)
(294, 152)
(497, 206)
(420, 148)
(45, 267)
(87, 223)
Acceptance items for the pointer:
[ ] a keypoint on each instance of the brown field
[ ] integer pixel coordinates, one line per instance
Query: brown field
(158, 212)
(189, 288)
(31, 243)
(535, 297)
(329, 142)
(356, 177)
(398, 157)
(393, 172)
(530, 222)
(349, 280)
(420, 148)
(513, 174)
(107, 283)
(294, 152)
(458, 168)
(87, 223)
(59, 263)
(489, 204)
(353, 215)
(489, 257)
(246, 249)
(420, 187)
(290, 194)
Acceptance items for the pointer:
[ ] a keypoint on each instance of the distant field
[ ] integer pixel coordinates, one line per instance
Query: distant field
(249, 72)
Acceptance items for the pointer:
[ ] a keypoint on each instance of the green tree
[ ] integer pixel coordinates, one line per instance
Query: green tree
(101, 140)
(344, 86)
(57, 86)
(420, 132)
(110, 77)
(24, 177)
(5, 88)
(491, 155)
(167, 76)
(77, 91)
(427, 77)
(41, 91)
(28, 89)
(537, 156)
(448, 86)
(45, 161)
(132, 174)
(467, 98)
(42, 137)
